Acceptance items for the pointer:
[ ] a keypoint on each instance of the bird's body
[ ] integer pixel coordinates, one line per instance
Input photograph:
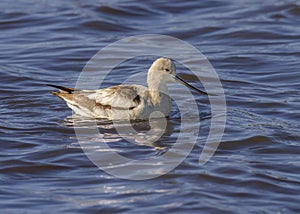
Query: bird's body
(126, 102)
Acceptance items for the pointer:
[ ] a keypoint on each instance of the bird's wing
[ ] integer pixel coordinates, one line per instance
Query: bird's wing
(119, 97)
(122, 97)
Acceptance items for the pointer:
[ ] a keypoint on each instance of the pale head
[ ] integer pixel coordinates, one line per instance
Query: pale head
(162, 71)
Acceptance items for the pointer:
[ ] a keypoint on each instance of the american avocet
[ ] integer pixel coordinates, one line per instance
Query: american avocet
(129, 102)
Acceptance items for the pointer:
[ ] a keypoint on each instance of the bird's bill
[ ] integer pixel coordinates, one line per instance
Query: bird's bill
(178, 79)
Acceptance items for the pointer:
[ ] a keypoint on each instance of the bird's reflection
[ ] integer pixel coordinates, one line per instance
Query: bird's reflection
(156, 133)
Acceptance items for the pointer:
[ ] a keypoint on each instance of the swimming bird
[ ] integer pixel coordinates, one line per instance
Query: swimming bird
(127, 102)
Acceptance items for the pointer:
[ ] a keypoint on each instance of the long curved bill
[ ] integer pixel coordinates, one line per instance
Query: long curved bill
(178, 79)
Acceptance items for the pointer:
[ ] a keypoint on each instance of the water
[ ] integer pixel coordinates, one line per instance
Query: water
(254, 47)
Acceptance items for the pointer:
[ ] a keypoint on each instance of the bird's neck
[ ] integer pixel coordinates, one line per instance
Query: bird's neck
(156, 91)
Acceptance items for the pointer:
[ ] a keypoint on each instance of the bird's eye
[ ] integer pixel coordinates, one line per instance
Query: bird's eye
(167, 70)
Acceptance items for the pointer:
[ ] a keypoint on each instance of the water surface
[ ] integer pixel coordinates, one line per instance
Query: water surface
(254, 47)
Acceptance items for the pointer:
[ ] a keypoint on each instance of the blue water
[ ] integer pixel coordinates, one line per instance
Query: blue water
(254, 47)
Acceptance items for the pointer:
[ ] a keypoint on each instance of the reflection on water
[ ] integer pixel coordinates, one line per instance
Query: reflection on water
(144, 133)
(254, 47)
(135, 150)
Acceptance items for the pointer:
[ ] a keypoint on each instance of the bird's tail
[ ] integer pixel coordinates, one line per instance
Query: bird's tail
(63, 89)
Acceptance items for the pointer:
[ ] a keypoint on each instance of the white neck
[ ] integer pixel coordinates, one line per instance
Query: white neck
(156, 86)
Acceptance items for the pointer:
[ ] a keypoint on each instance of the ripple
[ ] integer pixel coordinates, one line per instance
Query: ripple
(254, 47)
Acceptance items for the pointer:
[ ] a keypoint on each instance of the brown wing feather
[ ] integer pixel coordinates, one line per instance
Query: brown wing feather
(119, 97)
(80, 100)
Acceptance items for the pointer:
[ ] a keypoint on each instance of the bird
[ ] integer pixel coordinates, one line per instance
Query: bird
(127, 102)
